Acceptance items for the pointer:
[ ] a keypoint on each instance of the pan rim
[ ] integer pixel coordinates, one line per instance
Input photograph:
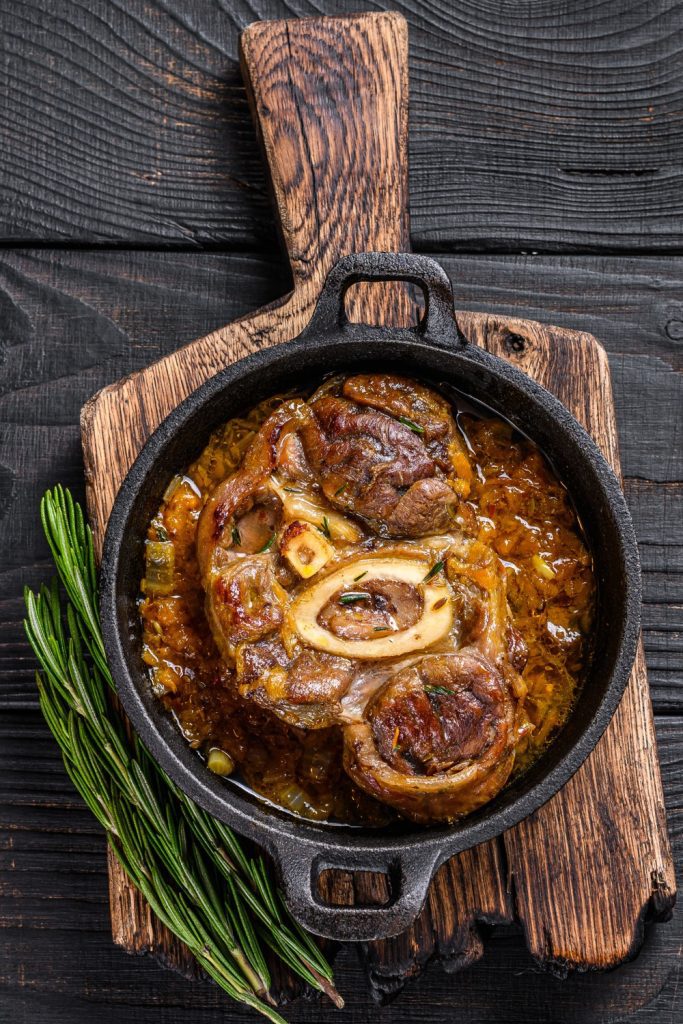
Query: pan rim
(263, 823)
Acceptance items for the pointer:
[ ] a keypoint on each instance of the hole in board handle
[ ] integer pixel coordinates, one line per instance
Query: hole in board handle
(340, 888)
(384, 303)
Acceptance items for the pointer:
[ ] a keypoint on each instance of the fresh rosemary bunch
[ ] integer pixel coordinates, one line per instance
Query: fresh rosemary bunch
(190, 868)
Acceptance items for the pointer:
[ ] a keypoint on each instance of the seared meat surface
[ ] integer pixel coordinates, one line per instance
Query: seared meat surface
(438, 739)
(341, 590)
(304, 690)
(378, 468)
(409, 401)
(244, 602)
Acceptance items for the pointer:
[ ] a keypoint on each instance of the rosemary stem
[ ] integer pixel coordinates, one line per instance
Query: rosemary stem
(190, 868)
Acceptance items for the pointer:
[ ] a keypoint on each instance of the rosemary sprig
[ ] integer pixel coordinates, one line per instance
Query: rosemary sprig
(190, 868)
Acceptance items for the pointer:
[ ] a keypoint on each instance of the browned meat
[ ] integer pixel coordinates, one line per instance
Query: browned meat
(437, 740)
(305, 690)
(244, 602)
(239, 518)
(482, 613)
(325, 625)
(405, 398)
(262, 454)
(277, 446)
(517, 649)
(425, 508)
(470, 609)
(478, 581)
(291, 460)
(377, 468)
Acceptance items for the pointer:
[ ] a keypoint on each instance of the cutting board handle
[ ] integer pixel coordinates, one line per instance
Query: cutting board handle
(330, 98)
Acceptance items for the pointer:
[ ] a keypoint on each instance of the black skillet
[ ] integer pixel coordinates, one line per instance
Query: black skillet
(435, 352)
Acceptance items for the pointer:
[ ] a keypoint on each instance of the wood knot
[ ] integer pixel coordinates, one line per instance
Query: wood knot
(515, 344)
(674, 329)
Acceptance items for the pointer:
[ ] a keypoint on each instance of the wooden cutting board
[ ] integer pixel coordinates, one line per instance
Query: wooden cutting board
(583, 874)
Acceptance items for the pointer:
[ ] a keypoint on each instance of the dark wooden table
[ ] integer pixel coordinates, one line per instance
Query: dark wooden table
(546, 175)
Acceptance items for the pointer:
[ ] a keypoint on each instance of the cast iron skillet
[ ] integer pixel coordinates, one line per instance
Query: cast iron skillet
(437, 353)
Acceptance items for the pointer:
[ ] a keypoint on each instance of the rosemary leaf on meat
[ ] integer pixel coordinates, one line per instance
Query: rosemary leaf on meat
(267, 546)
(325, 528)
(354, 595)
(411, 424)
(235, 535)
(435, 569)
(444, 691)
(191, 869)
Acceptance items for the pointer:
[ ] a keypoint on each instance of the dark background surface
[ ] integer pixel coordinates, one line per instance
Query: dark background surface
(545, 147)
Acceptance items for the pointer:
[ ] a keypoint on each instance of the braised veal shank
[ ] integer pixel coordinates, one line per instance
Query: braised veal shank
(373, 625)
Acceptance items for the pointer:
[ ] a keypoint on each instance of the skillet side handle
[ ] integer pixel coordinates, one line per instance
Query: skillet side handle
(410, 874)
(438, 322)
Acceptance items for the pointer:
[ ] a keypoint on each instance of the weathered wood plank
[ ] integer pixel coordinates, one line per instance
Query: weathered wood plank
(565, 924)
(336, 148)
(74, 174)
(57, 961)
(554, 127)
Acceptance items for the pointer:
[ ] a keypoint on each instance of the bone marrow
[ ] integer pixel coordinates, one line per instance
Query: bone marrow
(374, 608)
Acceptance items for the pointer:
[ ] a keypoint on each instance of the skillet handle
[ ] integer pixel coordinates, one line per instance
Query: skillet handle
(438, 322)
(410, 873)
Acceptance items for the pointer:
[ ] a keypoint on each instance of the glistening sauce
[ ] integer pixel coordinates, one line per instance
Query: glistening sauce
(516, 505)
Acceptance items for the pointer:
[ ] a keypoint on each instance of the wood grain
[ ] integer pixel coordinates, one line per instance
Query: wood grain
(136, 305)
(608, 822)
(58, 963)
(540, 127)
(329, 205)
